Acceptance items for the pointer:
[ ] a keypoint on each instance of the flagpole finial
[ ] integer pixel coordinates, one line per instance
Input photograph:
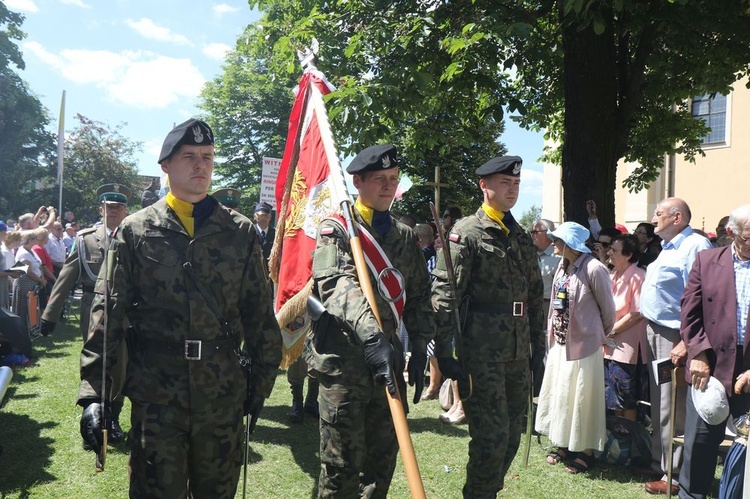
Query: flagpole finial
(308, 56)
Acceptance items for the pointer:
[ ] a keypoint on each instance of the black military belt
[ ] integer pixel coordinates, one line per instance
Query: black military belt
(189, 349)
(516, 309)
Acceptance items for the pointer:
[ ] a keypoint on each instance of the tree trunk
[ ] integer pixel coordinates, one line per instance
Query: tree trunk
(589, 160)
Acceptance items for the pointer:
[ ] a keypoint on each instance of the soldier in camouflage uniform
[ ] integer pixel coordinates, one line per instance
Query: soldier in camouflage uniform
(83, 265)
(496, 270)
(349, 354)
(188, 275)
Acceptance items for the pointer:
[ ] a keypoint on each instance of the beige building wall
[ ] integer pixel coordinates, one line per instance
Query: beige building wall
(552, 193)
(712, 186)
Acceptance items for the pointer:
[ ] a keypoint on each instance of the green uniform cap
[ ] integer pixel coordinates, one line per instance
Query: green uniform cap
(228, 197)
(113, 194)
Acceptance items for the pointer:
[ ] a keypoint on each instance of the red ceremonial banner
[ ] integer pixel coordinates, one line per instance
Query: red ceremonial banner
(303, 197)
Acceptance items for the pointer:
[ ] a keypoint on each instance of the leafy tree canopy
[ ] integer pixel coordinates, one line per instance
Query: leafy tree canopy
(613, 80)
(96, 154)
(28, 149)
(430, 123)
(386, 60)
(10, 30)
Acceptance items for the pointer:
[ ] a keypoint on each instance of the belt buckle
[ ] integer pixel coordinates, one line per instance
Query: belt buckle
(518, 309)
(193, 349)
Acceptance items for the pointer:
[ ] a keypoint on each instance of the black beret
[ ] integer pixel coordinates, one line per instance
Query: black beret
(507, 165)
(374, 158)
(263, 207)
(192, 132)
(113, 194)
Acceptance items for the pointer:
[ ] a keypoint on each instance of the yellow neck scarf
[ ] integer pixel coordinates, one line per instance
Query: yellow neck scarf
(184, 211)
(364, 211)
(496, 216)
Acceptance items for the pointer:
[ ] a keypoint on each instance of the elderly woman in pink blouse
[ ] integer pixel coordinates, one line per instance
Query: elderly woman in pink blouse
(622, 364)
(571, 408)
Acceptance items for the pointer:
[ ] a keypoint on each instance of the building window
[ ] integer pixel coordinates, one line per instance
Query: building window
(712, 110)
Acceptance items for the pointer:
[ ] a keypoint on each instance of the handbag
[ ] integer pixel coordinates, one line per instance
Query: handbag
(446, 395)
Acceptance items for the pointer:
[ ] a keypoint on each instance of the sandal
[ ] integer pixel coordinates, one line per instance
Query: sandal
(557, 456)
(581, 464)
(430, 394)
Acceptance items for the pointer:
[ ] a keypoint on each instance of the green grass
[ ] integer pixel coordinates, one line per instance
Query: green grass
(43, 456)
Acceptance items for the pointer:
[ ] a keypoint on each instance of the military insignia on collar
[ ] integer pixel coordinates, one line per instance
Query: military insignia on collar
(516, 168)
(386, 162)
(454, 238)
(197, 134)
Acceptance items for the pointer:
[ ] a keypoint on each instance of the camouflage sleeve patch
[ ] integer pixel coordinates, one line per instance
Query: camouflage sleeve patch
(440, 267)
(324, 260)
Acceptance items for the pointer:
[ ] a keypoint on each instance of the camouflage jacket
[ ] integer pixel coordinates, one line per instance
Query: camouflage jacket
(338, 348)
(492, 272)
(81, 265)
(149, 286)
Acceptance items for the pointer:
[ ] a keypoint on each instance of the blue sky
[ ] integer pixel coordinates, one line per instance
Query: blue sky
(143, 63)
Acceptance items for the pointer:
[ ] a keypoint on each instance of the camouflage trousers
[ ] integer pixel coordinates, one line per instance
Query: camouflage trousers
(358, 443)
(297, 372)
(171, 447)
(496, 412)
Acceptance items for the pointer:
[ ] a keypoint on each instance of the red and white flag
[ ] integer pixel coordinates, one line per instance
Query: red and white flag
(309, 188)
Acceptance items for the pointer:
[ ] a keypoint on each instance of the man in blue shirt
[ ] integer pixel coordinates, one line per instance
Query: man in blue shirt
(662, 290)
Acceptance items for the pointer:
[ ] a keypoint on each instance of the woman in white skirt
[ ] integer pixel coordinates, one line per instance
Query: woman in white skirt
(571, 408)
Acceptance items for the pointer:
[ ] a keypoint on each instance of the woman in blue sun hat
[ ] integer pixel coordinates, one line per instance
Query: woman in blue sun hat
(582, 312)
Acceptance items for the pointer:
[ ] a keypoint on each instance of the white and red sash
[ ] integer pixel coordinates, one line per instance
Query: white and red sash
(377, 262)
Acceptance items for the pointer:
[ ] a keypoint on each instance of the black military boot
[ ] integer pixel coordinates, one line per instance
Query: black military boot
(311, 401)
(296, 415)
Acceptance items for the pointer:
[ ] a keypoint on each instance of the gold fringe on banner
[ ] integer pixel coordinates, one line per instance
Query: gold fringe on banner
(290, 355)
(290, 311)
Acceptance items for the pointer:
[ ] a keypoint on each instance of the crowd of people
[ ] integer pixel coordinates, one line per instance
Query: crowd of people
(33, 251)
(575, 315)
(621, 304)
